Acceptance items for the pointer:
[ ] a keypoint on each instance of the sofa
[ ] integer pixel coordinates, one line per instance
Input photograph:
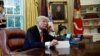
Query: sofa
(11, 40)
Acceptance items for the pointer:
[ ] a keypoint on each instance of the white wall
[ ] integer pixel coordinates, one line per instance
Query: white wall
(89, 2)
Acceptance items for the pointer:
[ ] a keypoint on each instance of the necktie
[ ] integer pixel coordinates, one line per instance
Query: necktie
(41, 36)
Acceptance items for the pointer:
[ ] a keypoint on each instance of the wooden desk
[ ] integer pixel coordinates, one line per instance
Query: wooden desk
(92, 49)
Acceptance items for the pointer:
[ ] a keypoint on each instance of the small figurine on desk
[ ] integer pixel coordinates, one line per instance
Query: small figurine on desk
(60, 28)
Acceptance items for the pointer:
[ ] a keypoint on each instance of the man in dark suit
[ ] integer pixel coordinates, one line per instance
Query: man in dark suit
(34, 38)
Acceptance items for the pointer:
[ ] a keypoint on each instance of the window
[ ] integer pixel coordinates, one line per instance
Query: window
(14, 13)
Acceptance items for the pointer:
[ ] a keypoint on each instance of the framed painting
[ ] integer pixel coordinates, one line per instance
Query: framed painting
(58, 10)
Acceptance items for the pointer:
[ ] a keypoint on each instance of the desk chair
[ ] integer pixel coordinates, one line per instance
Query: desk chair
(11, 40)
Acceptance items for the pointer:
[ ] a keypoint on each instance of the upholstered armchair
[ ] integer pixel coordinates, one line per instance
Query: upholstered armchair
(11, 40)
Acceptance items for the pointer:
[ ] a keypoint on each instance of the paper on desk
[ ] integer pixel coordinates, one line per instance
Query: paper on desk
(63, 44)
(47, 44)
(63, 47)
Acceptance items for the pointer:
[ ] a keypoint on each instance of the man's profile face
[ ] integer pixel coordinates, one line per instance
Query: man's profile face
(58, 8)
(43, 24)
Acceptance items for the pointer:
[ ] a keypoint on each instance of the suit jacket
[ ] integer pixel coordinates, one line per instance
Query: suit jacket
(33, 39)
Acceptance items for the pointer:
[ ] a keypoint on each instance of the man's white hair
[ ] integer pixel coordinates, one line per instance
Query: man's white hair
(39, 18)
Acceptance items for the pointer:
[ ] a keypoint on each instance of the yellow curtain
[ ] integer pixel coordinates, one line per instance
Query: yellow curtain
(0, 52)
(30, 13)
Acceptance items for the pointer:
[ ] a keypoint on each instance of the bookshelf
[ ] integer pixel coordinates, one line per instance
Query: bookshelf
(91, 20)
